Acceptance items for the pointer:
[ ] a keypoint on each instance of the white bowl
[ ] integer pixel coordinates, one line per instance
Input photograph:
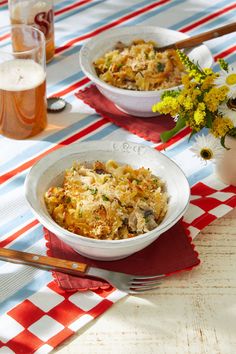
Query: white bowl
(138, 103)
(49, 171)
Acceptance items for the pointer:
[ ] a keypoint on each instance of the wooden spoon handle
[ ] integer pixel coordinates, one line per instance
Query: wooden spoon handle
(43, 262)
(202, 37)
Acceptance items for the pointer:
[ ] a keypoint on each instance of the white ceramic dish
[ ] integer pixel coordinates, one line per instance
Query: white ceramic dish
(49, 171)
(138, 103)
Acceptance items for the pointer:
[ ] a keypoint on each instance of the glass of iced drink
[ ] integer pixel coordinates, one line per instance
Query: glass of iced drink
(36, 13)
(23, 105)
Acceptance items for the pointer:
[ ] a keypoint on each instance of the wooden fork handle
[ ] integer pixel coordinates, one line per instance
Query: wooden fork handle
(202, 37)
(43, 262)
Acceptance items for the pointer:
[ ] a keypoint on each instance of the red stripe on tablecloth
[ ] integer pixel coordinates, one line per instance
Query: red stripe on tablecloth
(56, 13)
(175, 139)
(225, 53)
(72, 87)
(110, 25)
(5, 177)
(3, 2)
(19, 232)
(4, 36)
(208, 18)
(71, 7)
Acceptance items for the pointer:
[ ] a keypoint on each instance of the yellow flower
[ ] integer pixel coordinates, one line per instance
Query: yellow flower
(192, 123)
(208, 71)
(196, 75)
(221, 125)
(195, 93)
(188, 103)
(214, 97)
(207, 82)
(199, 114)
(186, 81)
(167, 105)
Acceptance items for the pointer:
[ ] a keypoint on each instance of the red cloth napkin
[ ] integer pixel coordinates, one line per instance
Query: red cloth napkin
(173, 251)
(147, 128)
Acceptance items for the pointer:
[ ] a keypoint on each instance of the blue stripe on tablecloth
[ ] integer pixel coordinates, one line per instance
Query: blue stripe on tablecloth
(217, 22)
(104, 21)
(201, 174)
(18, 180)
(12, 224)
(145, 16)
(139, 19)
(27, 239)
(47, 141)
(66, 14)
(73, 12)
(23, 293)
(182, 145)
(207, 11)
(61, 85)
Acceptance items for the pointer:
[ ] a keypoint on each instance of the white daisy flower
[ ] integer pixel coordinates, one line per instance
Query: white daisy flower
(207, 148)
(227, 78)
(228, 109)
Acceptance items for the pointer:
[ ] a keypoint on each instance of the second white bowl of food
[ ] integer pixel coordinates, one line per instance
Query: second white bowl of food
(143, 71)
(92, 195)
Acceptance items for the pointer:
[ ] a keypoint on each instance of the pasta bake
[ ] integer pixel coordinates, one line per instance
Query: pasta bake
(140, 67)
(108, 200)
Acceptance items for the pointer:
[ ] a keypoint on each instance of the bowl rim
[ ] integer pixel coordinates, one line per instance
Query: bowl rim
(49, 223)
(100, 37)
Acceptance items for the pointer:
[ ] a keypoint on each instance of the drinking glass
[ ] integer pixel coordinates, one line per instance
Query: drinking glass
(23, 105)
(37, 13)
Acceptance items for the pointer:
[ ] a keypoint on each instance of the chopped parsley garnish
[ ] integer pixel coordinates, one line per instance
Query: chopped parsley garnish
(105, 198)
(160, 67)
(137, 180)
(68, 199)
(93, 191)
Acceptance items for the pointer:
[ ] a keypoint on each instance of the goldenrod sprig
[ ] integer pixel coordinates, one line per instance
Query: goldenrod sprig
(197, 104)
(193, 69)
(223, 64)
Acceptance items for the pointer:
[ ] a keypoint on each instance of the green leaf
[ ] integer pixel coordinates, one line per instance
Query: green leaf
(191, 134)
(222, 141)
(208, 120)
(167, 135)
(231, 132)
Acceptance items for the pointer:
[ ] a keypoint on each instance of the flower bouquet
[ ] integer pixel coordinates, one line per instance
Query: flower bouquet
(207, 100)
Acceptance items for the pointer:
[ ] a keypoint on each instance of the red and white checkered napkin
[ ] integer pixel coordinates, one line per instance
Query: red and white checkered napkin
(48, 317)
(209, 200)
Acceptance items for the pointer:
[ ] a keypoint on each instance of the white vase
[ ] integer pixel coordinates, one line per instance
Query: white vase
(226, 166)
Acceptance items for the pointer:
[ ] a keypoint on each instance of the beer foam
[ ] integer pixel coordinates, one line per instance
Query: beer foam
(20, 75)
(25, 12)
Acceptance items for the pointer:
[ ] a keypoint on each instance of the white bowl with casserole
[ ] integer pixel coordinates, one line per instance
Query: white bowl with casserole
(135, 102)
(50, 172)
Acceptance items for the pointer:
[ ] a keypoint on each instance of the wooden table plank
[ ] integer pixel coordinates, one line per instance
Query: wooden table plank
(192, 312)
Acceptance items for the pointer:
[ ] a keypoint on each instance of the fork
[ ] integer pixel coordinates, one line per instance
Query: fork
(131, 284)
(200, 38)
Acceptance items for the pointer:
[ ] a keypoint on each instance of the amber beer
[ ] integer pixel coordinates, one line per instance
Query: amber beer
(22, 98)
(38, 14)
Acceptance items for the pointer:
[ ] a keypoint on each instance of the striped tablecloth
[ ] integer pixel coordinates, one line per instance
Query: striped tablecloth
(35, 315)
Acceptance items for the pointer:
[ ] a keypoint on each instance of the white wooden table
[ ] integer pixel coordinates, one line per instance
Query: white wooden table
(191, 313)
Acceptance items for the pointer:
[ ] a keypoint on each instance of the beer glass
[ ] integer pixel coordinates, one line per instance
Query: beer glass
(23, 109)
(37, 13)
